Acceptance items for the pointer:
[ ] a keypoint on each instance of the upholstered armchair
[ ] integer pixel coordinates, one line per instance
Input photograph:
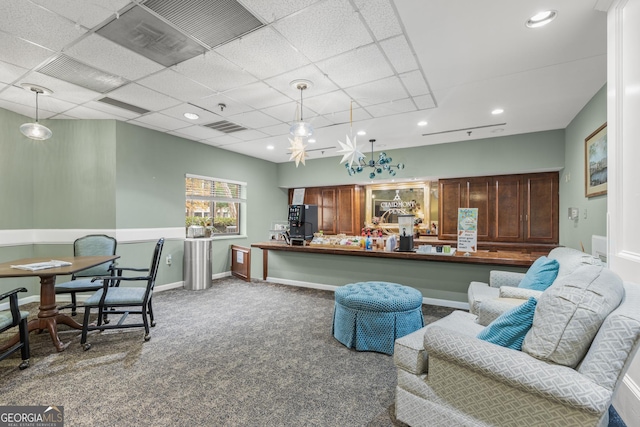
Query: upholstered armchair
(503, 285)
(566, 373)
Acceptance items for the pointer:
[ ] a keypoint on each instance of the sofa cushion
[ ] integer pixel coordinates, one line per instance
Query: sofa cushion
(570, 312)
(541, 274)
(510, 328)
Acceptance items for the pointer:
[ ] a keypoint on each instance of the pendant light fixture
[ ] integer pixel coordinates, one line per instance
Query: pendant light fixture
(36, 130)
(300, 128)
(377, 166)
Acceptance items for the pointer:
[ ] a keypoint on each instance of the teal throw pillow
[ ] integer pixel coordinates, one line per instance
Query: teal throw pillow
(510, 328)
(541, 274)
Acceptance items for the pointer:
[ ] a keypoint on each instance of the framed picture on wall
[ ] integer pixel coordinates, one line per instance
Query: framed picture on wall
(595, 162)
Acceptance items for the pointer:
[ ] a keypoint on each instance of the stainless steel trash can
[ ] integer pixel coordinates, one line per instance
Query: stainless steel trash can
(197, 264)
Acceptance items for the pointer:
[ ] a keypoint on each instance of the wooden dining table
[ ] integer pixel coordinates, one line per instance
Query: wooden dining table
(48, 315)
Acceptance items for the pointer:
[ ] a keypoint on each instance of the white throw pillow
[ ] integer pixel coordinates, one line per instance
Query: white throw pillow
(570, 312)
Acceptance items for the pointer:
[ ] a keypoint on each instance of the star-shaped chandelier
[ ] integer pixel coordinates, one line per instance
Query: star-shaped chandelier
(297, 149)
(377, 167)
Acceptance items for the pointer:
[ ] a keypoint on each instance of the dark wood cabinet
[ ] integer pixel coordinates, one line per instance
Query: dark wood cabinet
(511, 208)
(464, 193)
(340, 208)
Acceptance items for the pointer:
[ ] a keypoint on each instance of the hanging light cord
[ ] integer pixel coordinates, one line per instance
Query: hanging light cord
(37, 93)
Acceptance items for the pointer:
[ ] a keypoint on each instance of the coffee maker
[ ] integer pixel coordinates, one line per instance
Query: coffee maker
(405, 229)
(303, 222)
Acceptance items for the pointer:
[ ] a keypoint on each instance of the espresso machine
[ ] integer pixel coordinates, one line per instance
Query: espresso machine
(303, 222)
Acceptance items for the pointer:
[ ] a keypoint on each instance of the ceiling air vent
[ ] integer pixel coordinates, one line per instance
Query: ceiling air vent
(124, 105)
(211, 22)
(72, 71)
(142, 32)
(225, 126)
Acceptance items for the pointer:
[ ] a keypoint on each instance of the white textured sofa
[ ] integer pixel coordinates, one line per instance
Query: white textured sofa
(448, 377)
(503, 285)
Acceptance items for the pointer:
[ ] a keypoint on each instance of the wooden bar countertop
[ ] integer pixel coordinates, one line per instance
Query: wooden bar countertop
(505, 258)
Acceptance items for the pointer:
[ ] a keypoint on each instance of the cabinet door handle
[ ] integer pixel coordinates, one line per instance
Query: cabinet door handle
(520, 217)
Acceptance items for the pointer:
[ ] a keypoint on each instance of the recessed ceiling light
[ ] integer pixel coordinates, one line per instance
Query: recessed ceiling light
(422, 123)
(497, 111)
(361, 132)
(541, 19)
(270, 147)
(312, 141)
(191, 116)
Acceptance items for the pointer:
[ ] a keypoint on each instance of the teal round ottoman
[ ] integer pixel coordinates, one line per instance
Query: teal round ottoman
(369, 316)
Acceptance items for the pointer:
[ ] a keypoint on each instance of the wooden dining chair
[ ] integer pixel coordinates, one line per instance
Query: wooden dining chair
(123, 300)
(90, 245)
(12, 318)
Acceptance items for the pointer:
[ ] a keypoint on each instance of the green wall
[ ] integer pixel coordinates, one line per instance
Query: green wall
(108, 175)
(577, 233)
(532, 152)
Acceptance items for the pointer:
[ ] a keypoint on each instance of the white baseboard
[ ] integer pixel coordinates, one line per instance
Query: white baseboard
(332, 288)
(627, 402)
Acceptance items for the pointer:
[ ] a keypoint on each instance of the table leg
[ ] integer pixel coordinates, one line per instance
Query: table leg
(265, 264)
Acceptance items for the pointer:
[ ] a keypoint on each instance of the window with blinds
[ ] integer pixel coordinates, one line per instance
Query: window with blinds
(215, 204)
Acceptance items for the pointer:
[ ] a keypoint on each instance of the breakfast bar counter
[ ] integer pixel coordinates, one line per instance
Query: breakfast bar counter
(497, 258)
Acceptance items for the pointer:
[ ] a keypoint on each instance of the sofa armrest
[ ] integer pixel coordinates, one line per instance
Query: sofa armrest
(490, 309)
(519, 293)
(498, 278)
(518, 370)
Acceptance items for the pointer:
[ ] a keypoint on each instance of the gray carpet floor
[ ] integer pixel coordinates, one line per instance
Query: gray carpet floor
(237, 354)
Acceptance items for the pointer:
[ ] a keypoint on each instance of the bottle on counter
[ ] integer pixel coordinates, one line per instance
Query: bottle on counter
(368, 243)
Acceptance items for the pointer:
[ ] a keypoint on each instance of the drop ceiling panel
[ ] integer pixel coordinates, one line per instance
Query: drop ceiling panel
(362, 65)
(31, 22)
(346, 116)
(388, 89)
(175, 85)
(106, 55)
(19, 52)
(28, 98)
(317, 122)
(320, 82)
(284, 112)
(219, 141)
(25, 110)
(178, 111)
(253, 120)
(141, 96)
(415, 83)
(215, 72)
(162, 122)
(328, 102)
(197, 132)
(400, 54)
(85, 113)
(280, 130)
(147, 125)
(380, 17)
(86, 13)
(112, 110)
(231, 107)
(248, 135)
(9, 73)
(255, 53)
(270, 11)
(61, 89)
(257, 95)
(341, 29)
(392, 107)
(425, 102)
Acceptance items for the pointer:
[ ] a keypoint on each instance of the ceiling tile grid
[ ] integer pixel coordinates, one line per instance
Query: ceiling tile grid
(141, 96)
(380, 17)
(106, 55)
(362, 65)
(87, 13)
(340, 30)
(255, 53)
(175, 85)
(215, 72)
(38, 25)
(20, 52)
